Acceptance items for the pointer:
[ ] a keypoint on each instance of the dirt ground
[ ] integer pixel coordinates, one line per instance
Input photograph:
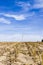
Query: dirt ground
(21, 53)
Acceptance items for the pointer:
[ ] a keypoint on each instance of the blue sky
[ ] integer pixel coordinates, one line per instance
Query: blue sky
(21, 20)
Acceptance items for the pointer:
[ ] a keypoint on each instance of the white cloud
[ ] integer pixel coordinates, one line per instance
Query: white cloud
(3, 20)
(38, 4)
(16, 17)
(24, 5)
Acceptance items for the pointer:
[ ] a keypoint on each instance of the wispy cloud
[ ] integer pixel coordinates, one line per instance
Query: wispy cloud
(24, 5)
(38, 4)
(16, 17)
(3, 20)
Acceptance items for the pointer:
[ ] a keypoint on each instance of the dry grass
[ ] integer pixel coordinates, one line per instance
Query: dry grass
(21, 53)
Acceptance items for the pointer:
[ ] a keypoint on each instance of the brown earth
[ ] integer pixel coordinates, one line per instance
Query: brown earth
(21, 53)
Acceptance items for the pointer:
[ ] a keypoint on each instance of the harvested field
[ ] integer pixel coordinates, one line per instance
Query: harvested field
(21, 53)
